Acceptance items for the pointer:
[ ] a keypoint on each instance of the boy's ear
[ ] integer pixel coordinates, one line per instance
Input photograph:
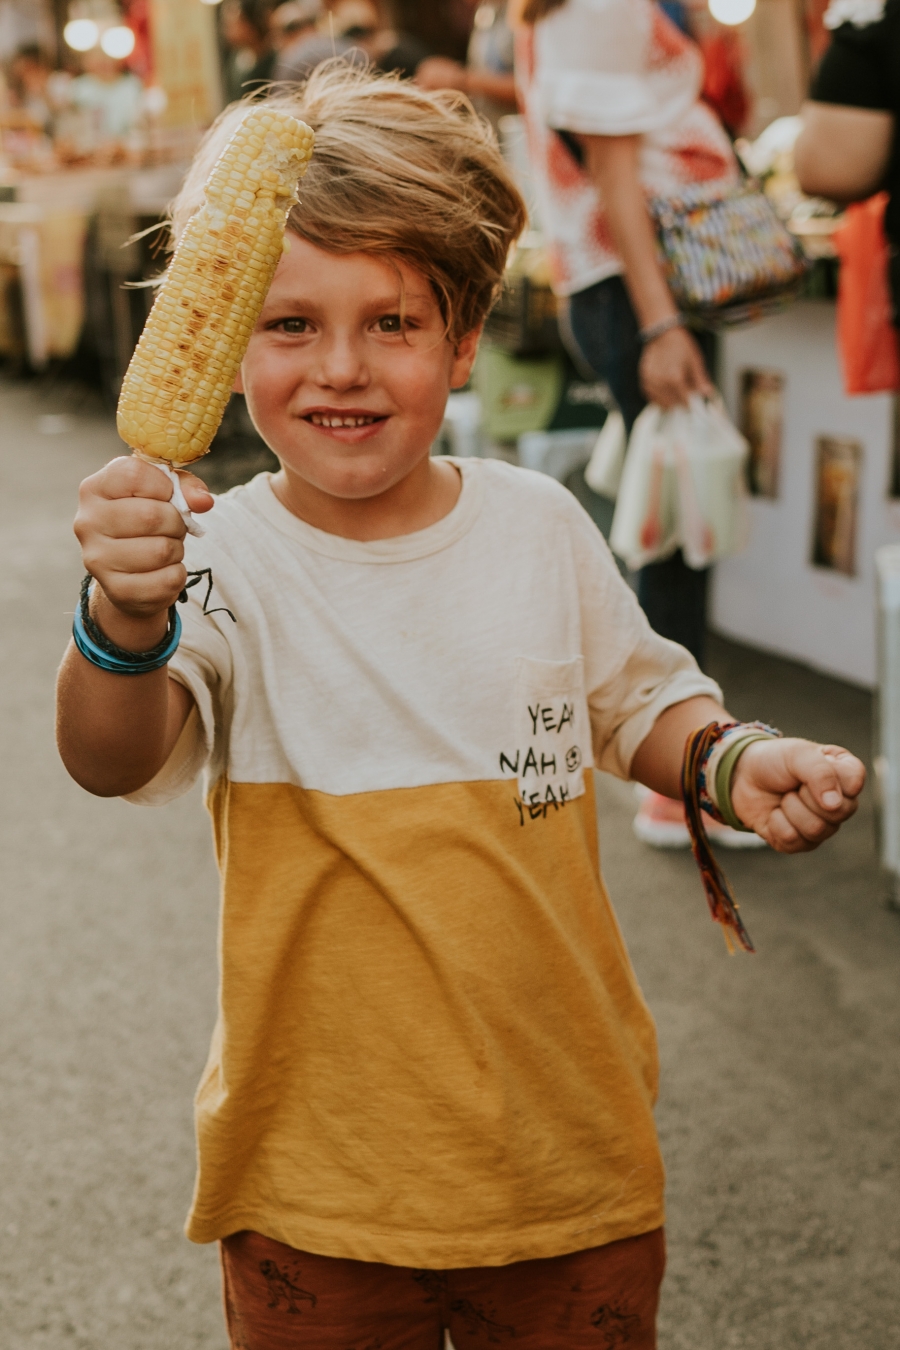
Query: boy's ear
(464, 358)
(238, 386)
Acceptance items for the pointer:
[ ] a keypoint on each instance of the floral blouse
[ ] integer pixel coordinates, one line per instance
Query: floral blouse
(611, 68)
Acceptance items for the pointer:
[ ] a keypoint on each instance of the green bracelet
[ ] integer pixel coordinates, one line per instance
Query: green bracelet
(725, 771)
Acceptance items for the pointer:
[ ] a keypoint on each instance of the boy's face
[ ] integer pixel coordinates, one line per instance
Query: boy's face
(348, 397)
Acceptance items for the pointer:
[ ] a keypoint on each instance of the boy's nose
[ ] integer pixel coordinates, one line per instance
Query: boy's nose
(342, 366)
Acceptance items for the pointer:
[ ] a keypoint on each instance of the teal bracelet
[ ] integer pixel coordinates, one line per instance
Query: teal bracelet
(102, 652)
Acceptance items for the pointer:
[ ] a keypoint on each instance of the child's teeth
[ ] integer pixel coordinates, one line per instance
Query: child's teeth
(320, 420)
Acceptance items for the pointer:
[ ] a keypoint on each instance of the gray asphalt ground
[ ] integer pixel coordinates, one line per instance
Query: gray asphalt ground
(779, 1105)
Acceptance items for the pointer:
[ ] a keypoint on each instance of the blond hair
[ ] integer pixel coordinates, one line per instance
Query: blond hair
(396, 172)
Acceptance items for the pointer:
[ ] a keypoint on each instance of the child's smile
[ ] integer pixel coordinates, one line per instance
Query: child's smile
(335, 420)
(346, 378)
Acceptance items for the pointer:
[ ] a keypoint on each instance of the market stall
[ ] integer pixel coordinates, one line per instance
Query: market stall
(826, 469)
(90, 153)
(65, 257)
(41, 280)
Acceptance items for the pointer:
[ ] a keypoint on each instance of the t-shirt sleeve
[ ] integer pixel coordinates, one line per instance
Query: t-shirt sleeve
(631, 673)
(854, 71)
(203, 664)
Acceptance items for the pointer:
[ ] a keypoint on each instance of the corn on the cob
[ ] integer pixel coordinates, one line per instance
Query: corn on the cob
(182, 371)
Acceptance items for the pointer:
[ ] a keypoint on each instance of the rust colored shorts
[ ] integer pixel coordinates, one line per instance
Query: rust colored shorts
(277, 1298)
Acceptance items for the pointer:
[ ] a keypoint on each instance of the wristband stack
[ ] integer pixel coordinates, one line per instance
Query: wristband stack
(101, 651)
(710, 757)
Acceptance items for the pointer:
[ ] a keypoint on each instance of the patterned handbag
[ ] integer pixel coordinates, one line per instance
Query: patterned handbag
(726, 255)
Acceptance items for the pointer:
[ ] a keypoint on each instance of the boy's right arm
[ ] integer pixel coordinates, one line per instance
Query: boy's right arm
(115, 732)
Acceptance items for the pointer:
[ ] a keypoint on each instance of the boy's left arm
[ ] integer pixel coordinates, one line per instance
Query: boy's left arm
(793, 793)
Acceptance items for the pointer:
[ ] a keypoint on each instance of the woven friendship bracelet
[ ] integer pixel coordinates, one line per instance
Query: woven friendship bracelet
(700, 765)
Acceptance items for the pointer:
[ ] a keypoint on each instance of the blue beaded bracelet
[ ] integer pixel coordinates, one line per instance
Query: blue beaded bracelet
(116, 659)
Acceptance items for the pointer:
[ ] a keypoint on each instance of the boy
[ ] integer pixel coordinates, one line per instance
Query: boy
(428, 1103)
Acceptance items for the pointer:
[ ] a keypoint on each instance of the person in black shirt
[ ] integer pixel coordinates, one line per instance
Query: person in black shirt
(848, 148)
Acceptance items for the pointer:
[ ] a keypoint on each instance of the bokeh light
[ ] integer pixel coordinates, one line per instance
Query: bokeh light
(81, 34)
(118, 42)
(156, 100)
(731, 11)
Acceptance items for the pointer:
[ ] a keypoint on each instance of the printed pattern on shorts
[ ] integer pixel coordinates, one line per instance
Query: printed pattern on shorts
(601, 1299)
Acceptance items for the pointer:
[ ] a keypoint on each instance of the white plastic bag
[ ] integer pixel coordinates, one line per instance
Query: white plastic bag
(604, 472)
(645, 524)
(711, 459)
(683, 486)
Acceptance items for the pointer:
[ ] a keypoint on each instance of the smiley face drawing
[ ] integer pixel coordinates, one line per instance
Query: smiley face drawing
(573, 759)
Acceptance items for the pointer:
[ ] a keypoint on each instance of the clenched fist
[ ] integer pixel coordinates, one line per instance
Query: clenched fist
(795, 794)
(132, 536)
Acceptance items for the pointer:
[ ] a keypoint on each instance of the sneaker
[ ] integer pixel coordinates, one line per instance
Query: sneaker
(660, 821)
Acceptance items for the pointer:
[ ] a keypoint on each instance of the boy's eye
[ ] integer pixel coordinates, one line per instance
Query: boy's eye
(390, 323)
(293, 325)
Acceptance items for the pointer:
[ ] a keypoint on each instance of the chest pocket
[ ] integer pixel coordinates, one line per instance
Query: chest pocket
(552, 735)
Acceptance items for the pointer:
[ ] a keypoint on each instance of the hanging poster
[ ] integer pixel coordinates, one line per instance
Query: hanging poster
(838, 470)
(761, 422)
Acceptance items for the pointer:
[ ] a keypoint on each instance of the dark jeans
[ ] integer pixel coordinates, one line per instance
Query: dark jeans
(605, 331)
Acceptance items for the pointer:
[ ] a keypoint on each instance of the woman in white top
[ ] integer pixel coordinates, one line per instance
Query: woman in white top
(611, 93)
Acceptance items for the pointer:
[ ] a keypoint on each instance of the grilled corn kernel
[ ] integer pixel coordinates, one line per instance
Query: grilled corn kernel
(180, 377)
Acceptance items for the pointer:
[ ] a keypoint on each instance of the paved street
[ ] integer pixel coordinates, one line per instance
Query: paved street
(779, 1108)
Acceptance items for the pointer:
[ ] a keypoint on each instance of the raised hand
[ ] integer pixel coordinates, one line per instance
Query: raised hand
(795, 794)
(132, 536)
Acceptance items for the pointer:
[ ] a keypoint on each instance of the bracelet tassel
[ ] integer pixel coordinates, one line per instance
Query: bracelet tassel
(722, 905)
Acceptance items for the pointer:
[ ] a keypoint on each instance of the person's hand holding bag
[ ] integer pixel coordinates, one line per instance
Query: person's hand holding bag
(672, 368)
(671, 365)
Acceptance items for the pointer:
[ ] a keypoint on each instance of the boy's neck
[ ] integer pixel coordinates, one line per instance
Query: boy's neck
(422, 498)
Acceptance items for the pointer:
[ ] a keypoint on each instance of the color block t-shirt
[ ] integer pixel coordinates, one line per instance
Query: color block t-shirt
(431, 1049)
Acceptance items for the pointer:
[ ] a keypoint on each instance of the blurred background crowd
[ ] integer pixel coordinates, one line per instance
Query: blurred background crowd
(90, 81)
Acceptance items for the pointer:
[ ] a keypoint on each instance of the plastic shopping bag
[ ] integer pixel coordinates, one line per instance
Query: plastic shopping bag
(645, 525)
(683, 486)
(710, 459)
(604, 471)
(866, 336)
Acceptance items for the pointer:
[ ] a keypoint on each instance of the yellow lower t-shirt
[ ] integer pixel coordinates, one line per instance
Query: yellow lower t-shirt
(431, 1049)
